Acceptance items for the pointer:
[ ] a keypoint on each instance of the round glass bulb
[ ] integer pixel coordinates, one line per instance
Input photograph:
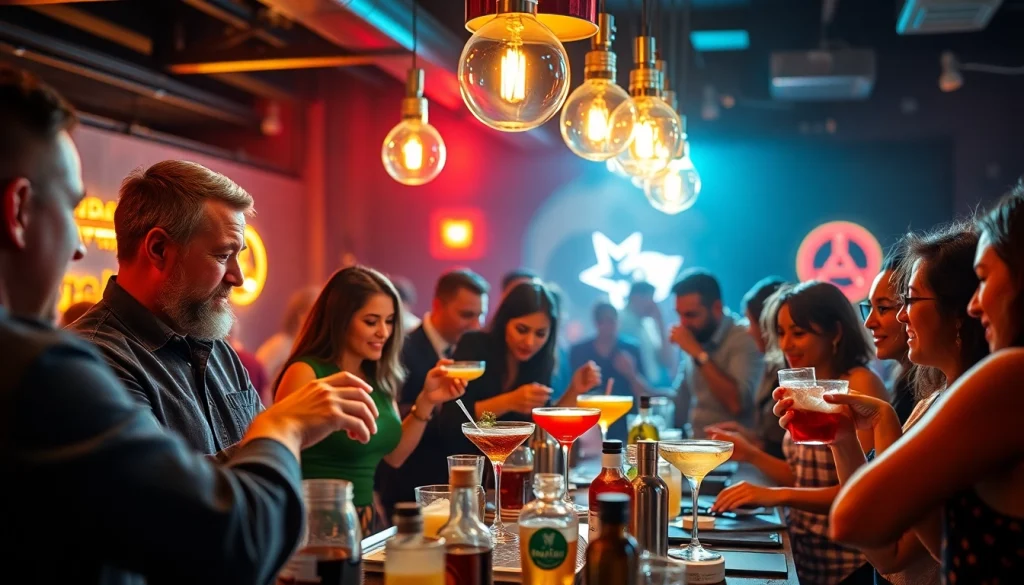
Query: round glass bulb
(586, 122)
(656, 136)
(413, 152)
(514, 73)
(614, 168)
(676, 190)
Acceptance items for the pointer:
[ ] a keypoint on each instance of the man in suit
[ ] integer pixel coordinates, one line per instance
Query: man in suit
(459, 305)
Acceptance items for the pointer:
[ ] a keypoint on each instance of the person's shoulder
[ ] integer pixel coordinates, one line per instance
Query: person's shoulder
(23, 339)
(100, 326)
(1005, 364)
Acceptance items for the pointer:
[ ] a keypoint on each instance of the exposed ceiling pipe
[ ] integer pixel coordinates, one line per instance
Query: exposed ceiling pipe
(361, 25)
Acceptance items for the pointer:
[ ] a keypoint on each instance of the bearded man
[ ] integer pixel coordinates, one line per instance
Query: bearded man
(164, 318)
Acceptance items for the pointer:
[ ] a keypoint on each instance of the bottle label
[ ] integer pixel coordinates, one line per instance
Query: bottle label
(593, 526)
(548, 549)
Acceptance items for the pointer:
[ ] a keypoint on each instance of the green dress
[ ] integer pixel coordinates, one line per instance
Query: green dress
(339, 457)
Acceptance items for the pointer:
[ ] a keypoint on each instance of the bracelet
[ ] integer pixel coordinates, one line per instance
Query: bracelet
(415, 410)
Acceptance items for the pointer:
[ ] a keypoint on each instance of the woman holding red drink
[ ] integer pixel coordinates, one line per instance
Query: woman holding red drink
(936, 280)
(965, 458)
(815, 326)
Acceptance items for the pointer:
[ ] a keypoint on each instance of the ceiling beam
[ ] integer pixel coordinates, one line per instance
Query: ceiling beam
(143, 45)
(21, 43)
(237, 16)
(198, 61)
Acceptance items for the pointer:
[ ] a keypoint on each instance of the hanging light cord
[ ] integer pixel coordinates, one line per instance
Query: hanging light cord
(645, 23)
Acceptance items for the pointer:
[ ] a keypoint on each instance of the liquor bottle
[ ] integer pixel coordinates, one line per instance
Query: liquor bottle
(644, 427)
(468, 546)
(411, 558)
(549, 532)
(610, 480)
(613, 558)
(650, 502)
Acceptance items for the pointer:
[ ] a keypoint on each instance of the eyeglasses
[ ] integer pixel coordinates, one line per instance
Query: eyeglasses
(866, 307)
(908, 300)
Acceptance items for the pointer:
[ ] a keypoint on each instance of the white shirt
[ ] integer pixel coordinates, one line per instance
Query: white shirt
(440, 345)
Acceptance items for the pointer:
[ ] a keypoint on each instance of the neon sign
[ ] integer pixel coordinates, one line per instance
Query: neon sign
(620, 265)
(840, 268)
(95, 219)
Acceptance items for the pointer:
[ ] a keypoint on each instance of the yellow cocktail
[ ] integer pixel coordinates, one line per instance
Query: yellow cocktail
(612, 408)
(465, 370)
(695, 459)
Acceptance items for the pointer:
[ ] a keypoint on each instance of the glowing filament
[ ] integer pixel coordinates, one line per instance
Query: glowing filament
(597, 122)
(412, 154)
(645, 141)
(513, 75)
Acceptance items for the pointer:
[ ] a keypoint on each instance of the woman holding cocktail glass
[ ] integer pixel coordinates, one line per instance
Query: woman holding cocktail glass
(814, 326)
(966, 456)
(937, 279)
(351, 327)
(518, 348)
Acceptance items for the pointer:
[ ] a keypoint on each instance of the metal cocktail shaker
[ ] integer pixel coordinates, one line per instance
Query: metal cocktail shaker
(546, 453)
(649, 522)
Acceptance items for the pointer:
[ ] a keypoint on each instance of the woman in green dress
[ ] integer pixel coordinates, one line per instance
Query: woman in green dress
(352, 328)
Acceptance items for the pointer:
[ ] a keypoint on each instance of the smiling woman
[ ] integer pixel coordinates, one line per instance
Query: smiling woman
(351, 328)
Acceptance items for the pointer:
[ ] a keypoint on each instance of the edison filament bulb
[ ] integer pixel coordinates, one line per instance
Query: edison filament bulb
(514, 72)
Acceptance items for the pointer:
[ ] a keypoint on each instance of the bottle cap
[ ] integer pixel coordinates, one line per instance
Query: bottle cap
(645, 402)
(407, 518)
(612, 447)
(463, 477)
(647, 454)
(613, 508)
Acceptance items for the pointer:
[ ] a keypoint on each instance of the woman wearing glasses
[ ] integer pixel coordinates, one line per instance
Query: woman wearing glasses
(938, 278)
(888, 333)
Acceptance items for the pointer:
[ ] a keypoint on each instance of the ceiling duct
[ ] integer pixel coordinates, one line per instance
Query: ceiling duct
(923, 17)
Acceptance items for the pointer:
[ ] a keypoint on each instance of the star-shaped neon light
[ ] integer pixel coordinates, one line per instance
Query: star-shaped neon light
(620, 265)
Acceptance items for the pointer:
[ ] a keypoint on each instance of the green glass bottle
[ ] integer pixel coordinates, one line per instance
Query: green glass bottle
(643, 427)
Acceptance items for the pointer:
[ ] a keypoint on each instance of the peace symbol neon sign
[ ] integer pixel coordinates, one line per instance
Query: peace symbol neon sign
(840, 268)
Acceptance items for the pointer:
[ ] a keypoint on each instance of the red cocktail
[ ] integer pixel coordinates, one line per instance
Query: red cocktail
(814, 421)
(566, 425)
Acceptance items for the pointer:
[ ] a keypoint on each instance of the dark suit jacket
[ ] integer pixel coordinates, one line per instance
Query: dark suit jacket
(428, 463)
(86, 465)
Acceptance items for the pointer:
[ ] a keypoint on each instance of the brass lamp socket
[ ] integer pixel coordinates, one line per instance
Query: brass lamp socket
(517, 6)
(414, 106)
(645, 79)
(600, 62)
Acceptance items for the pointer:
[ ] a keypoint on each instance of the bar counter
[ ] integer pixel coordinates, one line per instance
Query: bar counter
(745, 472)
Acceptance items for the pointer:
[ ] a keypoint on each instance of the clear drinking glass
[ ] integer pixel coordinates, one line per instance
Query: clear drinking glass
(814, 421)
(656, 570)
(517, 479)
(435, 504)
(476, 461)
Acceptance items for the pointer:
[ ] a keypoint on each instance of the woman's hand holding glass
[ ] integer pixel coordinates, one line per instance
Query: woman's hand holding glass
(439, 387)
(860, 412)
(527, 397)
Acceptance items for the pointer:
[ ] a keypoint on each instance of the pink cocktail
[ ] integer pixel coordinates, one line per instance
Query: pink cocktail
(566, 425)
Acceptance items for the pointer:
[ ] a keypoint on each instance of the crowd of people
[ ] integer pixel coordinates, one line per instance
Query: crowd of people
(141, 438)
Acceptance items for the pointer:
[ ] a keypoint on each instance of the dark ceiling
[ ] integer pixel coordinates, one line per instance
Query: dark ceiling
(111, 57)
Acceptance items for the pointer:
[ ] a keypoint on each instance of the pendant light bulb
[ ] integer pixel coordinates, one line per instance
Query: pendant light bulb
(514, 72)
(657, 132)
(675, 190)
(413, 152)
(586, 123)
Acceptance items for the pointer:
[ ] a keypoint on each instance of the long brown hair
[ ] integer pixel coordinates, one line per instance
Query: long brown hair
(327, 324)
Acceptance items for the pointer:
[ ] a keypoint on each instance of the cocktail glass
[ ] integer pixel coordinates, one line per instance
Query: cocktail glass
(498, 441)
(566, 424)
(467, 371)
(695, 459)
(612, 409)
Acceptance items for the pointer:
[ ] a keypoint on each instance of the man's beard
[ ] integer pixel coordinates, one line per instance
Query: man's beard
(704, 334)
(196, 314)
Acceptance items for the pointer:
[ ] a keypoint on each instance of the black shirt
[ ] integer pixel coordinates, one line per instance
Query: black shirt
(197, 388)
(96, 492)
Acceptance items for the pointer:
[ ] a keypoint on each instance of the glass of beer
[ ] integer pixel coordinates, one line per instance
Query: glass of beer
(814, 421)
(517, 479)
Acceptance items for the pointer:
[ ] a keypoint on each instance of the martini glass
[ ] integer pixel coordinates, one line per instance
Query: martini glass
(467, 371)
(567, 424)
(612, 408)
(498, 441)
(695, 459)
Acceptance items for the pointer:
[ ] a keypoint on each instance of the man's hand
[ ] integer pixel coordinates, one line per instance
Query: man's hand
(686, 341)
(321, 407)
